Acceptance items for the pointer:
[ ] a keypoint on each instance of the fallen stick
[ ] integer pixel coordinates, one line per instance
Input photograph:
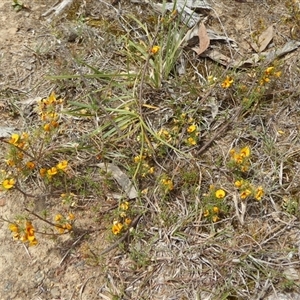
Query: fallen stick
(57, 9)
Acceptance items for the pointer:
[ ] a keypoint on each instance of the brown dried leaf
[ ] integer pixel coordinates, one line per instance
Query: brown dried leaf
(263, 40)
(203, 40)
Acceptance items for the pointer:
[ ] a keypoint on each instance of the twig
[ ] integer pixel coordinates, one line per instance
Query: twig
(72, 246)
(43, 219)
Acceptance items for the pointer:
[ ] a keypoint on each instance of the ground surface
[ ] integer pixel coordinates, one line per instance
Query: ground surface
(178, 256)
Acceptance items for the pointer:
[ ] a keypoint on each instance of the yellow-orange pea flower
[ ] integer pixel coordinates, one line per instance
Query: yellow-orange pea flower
(227, 82)
(47, 127)
(62, 165)
(71, 216)
(216, 209)
(128, 221)
(168, 184)
(68, 226)
(43, 172)
(206, 213)
(10, 162)
(191, 128)
(238, 183)
(30, 165)
(215, 219)
(14, 139)
(155, 49)
(220, 194)
(191, 141)
(245, 152)
(117, 227)
(52, 171)
(13, 227)
(259, 193)
(244, 194)
(58, 218)
(124, 205)
(8, 183)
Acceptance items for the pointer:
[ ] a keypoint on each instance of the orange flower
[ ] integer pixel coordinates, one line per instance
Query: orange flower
(43, 172)
(30, 165)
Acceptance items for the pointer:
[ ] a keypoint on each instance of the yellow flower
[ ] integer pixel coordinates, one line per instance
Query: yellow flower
(151, 170)
(30, 165)
(52, 171)
(68, 226)
(71, 216)
(259, 193)
(58, 218)
(117, 227)
(62, 165)
(52, 116)
(14, 139)
(128, 221)
(54, 124)
(238, 183)
(13, 227)
(124, 205)
(244, 194)
(33, 242)
(206, 213)
(269, 70)
(232, 153)
(10, 162)
(277, 74)
(227, 82)
(245, 168)
(168, 184)
(59, 228)
(155, 49)
(191, 128)
(264, 80)
(191, 141)
(137, 159)
(220, 194)
(216, 209)
(123, 214)
(245, 152)
(238, 158)
(47, 127)
(51, 99)
(8, 183)
(215, 219)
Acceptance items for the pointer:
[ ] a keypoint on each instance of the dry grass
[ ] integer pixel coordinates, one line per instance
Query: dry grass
(117, 108)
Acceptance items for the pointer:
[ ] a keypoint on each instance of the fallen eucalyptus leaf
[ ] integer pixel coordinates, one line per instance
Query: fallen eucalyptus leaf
(203, 39)
(264, 39)
(121, 178)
